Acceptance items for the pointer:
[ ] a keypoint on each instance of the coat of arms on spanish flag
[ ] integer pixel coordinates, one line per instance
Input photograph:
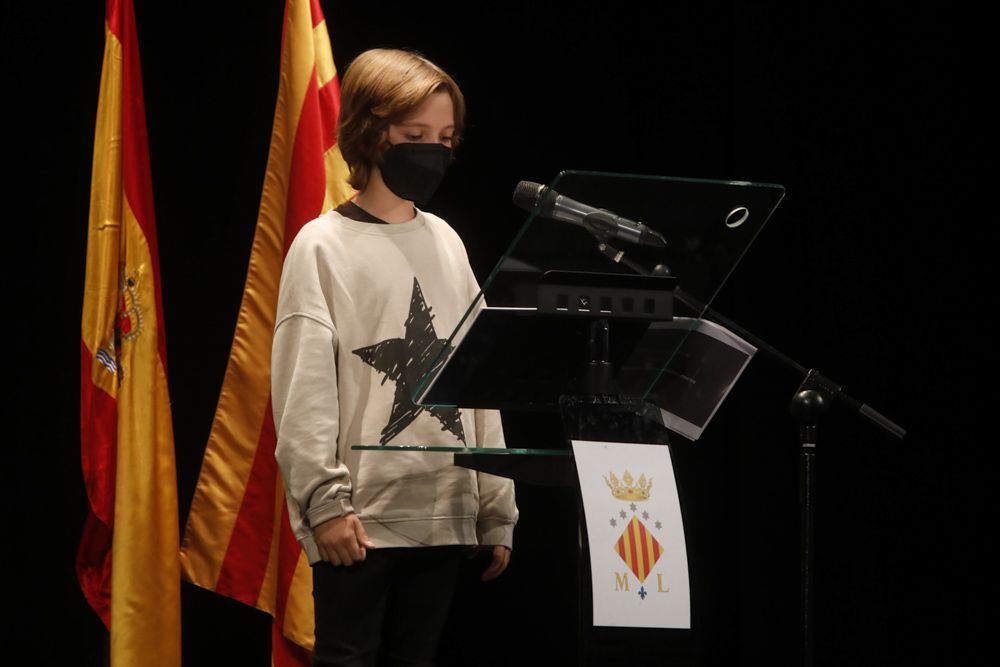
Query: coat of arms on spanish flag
(638, 554)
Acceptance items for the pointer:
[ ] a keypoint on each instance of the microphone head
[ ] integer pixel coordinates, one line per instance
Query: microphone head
(526, 195)
(529, 195)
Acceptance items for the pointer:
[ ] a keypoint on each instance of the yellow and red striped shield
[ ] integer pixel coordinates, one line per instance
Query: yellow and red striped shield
(638, 548)
(127, 563)
(238, 541)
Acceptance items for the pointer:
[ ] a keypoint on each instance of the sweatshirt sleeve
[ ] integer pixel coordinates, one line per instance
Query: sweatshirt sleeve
(497, 511)
(305, 398)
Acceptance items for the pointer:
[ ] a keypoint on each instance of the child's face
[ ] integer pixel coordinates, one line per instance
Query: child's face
(433, 122)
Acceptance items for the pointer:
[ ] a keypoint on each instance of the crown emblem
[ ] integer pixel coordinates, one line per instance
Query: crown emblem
(628, 490)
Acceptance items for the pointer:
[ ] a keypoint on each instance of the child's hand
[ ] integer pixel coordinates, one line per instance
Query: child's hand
(342, 541)
(501, 556)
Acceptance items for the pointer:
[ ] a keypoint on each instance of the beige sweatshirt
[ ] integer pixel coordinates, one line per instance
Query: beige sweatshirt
(362, 310)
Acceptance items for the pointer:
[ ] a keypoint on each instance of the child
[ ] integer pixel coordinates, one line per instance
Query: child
(369, 293)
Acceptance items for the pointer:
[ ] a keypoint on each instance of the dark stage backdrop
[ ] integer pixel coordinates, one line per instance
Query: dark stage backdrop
(872, 270)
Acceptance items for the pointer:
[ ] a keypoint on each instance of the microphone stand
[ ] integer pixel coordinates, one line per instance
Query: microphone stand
(810, 402)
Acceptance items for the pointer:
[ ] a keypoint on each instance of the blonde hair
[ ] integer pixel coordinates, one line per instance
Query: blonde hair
(382, 87)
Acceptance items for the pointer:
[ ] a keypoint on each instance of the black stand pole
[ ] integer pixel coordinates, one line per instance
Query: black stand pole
(808, 405)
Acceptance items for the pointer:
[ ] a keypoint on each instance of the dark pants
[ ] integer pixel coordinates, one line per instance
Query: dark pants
(390, 609)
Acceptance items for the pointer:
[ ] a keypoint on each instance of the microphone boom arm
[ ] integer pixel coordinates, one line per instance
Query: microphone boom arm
(811, 377)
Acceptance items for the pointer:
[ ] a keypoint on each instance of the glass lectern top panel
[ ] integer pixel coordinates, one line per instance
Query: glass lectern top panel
(695, 231)
(478, 451)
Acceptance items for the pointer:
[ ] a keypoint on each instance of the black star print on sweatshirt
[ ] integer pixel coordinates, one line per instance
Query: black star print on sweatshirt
(404, 361)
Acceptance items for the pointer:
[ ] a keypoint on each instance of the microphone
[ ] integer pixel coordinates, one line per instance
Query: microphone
(598, 221)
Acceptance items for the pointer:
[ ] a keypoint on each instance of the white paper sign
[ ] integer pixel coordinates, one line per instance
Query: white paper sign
(638, 556)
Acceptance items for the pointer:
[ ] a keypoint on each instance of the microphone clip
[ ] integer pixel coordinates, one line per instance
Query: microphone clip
(607, 226)
(601, 224)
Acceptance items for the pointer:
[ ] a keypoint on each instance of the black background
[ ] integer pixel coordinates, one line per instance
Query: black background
(873, 270)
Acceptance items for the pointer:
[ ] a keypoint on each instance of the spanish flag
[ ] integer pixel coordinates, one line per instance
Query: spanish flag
(127, 564)
(238, 541)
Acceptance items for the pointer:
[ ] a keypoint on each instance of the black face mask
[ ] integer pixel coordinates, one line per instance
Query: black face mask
(414, 171)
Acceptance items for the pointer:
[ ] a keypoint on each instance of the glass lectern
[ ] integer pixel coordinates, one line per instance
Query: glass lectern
(572, 318)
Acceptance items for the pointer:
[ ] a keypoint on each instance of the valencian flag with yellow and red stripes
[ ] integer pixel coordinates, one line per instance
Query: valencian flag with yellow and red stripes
(238, 541)
(127, 563)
